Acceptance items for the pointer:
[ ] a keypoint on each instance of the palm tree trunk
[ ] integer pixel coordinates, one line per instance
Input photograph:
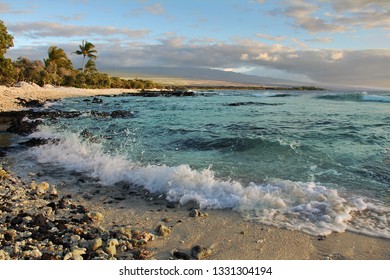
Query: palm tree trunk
(83, 63)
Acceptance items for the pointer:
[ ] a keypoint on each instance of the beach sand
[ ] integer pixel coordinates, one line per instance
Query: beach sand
(225, 232)
(9, 95)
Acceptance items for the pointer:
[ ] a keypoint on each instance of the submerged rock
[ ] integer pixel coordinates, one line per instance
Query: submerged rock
(121, 114)
(97, 100)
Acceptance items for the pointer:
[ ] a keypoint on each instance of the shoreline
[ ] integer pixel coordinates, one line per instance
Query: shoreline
(93, 211)
(134, 212)
(9, 95)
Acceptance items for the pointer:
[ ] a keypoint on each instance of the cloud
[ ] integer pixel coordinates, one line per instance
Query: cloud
(320, 40)
(347, 14)
(299, 43)
(52, 29)
(336, 67)
(302, 13)
(358, 5)
(271, 38)
(75, 17)
(6, 9)
(154, 9)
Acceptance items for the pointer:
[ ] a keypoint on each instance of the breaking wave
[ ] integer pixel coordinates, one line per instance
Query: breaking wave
(303, 206)
(357, 97)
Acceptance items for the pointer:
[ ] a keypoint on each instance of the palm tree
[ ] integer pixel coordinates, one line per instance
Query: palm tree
(86, 49)
(90, 66)
(57, 59)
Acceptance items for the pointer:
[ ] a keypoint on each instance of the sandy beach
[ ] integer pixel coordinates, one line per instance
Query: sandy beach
(132, 225)
(9, 95)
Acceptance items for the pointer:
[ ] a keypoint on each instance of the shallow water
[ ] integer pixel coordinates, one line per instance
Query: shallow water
(312, 161)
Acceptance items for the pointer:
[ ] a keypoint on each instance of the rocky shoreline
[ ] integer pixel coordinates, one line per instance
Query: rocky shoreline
(36, 224)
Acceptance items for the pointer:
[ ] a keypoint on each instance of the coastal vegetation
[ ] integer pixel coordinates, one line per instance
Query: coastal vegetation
(57, 69)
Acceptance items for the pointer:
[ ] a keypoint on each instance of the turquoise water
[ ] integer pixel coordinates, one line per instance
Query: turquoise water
(317, 162)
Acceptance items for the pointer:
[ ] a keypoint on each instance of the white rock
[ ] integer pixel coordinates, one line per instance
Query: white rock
(75, 238)
(96, 243)
(42, 188)
(111, 247)
(4, 255)
(95, 216)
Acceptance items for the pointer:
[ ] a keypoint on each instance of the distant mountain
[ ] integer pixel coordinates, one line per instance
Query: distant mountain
(196, 74)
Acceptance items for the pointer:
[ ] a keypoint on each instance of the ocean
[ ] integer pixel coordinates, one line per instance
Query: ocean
(312, 161)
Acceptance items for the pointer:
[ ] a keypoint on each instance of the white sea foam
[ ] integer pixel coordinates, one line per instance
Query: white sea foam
(376, 98)
(307, 207)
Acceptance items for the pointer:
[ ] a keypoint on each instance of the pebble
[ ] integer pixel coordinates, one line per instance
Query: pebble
(111, 247)
(197, 213)
(75, 238)
(163, 230)
(181, 255)
(95, 216)
(200, 252)
(53, 192)
(125, 232)
(42, 188)
(96, 243)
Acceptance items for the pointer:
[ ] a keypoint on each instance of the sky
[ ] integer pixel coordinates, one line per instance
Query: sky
(336, 42)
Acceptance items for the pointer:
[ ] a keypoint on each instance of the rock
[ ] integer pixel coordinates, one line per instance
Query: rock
(111, 247)
(141, 254)
(77, 252)
(53, 194)
(96, 243)
(49, 257)
(16, 221)
(163, 230)
(194, 213)
(200, 252)
(39, 220)
(124, 232)
(30, 103)
(10, 235)
(197, 213)
(34, 142)
(32, 254)
(97, 100)
(3, 174)
(172, 204)
(42, 188)
(95, 216)
(33, 186)
(75, 238)
(121, 114)
(4, 255)
(86, 134)
(181, 255)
